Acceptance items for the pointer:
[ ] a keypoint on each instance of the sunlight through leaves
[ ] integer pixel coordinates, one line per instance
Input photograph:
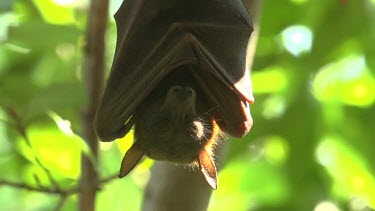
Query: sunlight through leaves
(297, 39)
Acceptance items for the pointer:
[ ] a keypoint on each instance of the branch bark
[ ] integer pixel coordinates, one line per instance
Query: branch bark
(94, 81)
(176, 188)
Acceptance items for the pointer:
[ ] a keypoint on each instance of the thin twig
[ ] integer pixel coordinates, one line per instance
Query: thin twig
(40, 189)
(108, 179)
(61, 203)
(51, 190)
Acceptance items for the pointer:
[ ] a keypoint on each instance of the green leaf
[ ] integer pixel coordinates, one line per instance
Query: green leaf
(56, 146)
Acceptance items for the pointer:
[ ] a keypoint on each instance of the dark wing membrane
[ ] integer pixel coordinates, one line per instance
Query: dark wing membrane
(154, 37)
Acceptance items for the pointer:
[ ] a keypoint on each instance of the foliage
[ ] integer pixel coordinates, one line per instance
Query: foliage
(311, 148)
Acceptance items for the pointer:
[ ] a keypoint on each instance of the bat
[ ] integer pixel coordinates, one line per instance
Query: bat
(179, 76)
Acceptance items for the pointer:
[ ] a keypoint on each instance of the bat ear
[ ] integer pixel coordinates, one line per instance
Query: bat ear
(131, 159)
(208, 168)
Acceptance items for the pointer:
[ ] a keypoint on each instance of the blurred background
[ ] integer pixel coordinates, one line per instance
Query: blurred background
(312, 145)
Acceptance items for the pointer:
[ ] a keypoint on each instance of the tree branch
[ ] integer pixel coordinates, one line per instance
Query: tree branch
(57, 191)
(47, 190)
(94, 80)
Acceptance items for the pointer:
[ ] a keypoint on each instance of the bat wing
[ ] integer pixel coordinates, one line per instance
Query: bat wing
(155, 37)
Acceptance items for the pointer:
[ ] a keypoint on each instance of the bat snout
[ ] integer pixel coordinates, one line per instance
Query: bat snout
(182, 93)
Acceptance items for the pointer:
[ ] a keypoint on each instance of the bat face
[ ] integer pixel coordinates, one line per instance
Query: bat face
(172, 127)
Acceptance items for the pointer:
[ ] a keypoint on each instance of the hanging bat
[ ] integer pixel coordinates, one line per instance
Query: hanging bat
(178, 76)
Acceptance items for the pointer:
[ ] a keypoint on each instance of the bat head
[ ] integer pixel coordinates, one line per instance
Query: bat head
(170, 129)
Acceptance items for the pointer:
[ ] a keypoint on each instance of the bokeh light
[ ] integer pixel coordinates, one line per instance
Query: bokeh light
(270, 80)
(276, 150)
(348, 81)
(297, 39)
(326, 206)
(274, 107)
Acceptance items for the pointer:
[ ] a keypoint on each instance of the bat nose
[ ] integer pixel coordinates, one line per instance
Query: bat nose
(189, 92)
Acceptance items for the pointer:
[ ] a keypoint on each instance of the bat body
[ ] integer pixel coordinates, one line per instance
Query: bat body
(178, 46)
(174, 125)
